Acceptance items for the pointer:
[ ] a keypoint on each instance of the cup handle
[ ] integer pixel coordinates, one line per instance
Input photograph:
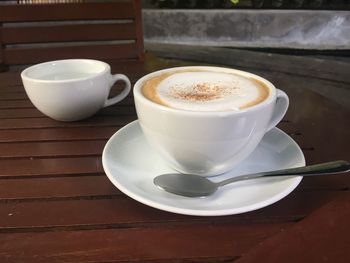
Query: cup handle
(280, 110)
(123, 94)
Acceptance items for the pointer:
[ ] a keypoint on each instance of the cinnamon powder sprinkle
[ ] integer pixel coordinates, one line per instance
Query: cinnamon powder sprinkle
(200, 92)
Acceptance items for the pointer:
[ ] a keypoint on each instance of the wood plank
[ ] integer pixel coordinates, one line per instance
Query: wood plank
(8, 77)
(295, 86)
(39, 123)
(289, 64)
(57, 134)
(12, 100)
(51, 149)
(2, 66)
(139, 29)
(314, 123)
(97, 51)
(323, 236)
(14, 113)
(19, 93)
(26, 104)
(14, 96)
(16, 104)
(127, 108)
(20, 113)
(12, 88)
(22, 131)
(55, 188)
(90, 186)
(74, 214)
(78, 212)
(72, 11)
(66, 33)
(50, 167)
(176, 243)
(337, 182)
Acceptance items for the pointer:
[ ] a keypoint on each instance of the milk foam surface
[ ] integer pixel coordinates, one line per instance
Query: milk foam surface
(208, 91)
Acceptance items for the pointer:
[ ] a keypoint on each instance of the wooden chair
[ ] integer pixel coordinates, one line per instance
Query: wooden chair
(105, 30)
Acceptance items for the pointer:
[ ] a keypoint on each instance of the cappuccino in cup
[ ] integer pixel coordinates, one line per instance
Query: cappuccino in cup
(199, 90)
(206, 120)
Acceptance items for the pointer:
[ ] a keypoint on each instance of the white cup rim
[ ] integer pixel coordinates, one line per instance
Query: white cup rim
(24, 73)
(140, 97)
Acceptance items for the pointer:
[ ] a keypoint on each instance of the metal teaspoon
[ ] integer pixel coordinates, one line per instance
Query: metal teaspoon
(191, 185)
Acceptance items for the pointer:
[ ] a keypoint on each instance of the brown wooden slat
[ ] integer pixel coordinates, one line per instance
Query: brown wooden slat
(64, 33)
(323, 236)
(16, 104)
(40, 135)
(34, 113)
(50, 167)
(119, 110)
(72, 11)
(51, 149)
(44, 188)
(2, 66)
(139, 29)
(140, 245)
(22, 104)
(49, 123)
(12, 88)
(20, 113)
(338, 182)
(14, 95)
(69, 213)
(22, 143)
(57, 134)
(19, 93)
(315, 123)
(8, 78)
(85, 186)
(37, 55)
(118, 213)
(294, 66)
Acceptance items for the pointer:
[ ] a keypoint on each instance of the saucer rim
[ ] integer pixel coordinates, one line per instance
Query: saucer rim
(201, 212)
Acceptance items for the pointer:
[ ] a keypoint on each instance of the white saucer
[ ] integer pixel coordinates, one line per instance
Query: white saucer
(131, 165)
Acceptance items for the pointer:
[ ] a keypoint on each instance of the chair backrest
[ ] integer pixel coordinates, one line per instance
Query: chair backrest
(106, 30)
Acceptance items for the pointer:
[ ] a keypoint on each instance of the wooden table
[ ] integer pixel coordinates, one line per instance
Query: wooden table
(57, 205)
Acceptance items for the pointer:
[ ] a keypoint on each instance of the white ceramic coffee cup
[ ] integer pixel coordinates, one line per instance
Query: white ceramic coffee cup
(207, 143)
(72, 89)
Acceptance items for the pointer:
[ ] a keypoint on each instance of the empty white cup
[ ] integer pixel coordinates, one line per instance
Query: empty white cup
(72, 89)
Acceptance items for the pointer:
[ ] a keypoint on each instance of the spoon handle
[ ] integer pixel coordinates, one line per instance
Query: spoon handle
(317, 169)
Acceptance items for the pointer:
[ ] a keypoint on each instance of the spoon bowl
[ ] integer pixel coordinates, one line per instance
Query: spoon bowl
(186, 184)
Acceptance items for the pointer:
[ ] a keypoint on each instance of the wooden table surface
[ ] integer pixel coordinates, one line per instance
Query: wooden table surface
(57, 205)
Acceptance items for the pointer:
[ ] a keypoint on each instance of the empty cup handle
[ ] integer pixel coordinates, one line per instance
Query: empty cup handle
(280, 110)
(123, 94)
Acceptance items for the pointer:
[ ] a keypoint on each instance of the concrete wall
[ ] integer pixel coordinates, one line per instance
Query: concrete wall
(249, 28)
